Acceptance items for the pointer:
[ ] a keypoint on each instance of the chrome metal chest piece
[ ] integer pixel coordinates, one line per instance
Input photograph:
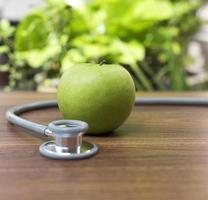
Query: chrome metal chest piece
(68, 142)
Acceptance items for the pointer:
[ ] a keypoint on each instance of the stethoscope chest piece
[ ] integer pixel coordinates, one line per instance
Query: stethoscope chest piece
(51, 150)
(68, 142)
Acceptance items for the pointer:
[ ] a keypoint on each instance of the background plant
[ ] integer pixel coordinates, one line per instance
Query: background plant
(147, 37)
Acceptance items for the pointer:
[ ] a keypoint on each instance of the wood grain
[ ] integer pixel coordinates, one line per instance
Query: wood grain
(160, 153)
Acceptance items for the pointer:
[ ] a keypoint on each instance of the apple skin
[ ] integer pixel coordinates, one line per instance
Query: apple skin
(101, 95)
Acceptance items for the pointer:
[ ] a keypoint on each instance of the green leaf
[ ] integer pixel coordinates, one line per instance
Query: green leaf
(146, 13)
(36, 58)
(92, 47)
(128, 52)
(32, 33)
(6, 30)
(4, 49)
(72, 57)
(95, 50)
(152, 10)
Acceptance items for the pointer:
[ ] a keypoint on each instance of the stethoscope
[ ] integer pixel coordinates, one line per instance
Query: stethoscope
(67, 134)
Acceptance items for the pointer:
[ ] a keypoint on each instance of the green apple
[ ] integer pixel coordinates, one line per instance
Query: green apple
(101, 95)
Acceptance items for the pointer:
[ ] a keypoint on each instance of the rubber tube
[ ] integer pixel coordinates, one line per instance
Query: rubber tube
(12, 115)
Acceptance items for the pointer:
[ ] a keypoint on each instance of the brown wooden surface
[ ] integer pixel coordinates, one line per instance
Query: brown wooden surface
(160, 153)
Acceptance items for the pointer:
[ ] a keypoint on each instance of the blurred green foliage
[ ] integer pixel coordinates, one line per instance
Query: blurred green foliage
(148, 37)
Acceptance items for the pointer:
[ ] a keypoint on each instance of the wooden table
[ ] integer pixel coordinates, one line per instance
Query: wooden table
(160, 153)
